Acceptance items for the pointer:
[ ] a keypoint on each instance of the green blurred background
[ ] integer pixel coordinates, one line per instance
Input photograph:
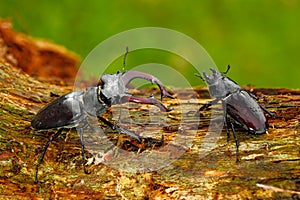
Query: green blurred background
(259, 38)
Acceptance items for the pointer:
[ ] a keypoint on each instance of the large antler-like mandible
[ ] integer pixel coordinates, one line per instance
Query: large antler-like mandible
(130, 75)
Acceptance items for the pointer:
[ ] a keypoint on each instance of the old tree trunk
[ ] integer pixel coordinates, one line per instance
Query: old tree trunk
(268, 168)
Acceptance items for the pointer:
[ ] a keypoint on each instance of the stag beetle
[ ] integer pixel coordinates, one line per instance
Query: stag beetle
(72, 109)
(237, 103)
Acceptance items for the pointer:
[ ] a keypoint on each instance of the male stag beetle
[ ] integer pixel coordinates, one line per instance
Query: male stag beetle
(72, 109)
(239, 106)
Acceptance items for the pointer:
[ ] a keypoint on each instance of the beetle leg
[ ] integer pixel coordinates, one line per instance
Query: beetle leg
(82, 150)
(225, 119)
(130, 75)
(133, 135)
(150, 100)
(262, 107)
(207, 105)
(120, 129)
(267, 111)
(155, 141)
(44, 151)
(252, 95)
(236, 142)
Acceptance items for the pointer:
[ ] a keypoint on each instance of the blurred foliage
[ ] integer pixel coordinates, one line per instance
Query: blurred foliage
(260, 39)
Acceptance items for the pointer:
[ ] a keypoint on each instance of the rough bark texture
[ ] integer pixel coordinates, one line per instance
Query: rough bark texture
(269, 166)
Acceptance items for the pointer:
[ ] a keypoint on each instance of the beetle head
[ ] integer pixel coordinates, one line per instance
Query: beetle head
(113, 87)
(215, 84)
(219, 85)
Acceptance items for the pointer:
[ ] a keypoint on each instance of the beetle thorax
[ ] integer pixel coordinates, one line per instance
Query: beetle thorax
(230, 85)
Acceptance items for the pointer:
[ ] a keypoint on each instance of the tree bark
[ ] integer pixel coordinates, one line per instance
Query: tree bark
(268, 168)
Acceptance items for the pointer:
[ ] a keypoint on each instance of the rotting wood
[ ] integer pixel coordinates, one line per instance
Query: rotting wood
(36, 57)
(271, 160)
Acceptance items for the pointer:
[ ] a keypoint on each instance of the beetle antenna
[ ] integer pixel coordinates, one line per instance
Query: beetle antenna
(124, 59)
(228, 67)
(198, 75)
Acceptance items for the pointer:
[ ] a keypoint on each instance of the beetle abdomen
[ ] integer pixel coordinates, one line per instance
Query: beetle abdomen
(245, 110)
(62, 112)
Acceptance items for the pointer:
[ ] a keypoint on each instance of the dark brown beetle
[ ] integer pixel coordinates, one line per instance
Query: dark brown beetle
(239, 106)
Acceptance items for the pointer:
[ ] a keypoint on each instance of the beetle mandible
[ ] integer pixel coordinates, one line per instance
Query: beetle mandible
(239, 106)
(72, 109)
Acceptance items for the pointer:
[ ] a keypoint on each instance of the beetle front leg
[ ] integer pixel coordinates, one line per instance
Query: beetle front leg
(207, 105)
(130, 75)
(150, 100)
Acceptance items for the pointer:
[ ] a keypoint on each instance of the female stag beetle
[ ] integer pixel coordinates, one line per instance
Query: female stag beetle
(72, 109)
(237, 103)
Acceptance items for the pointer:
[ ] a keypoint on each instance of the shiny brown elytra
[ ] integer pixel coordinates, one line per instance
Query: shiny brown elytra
(239, 106)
